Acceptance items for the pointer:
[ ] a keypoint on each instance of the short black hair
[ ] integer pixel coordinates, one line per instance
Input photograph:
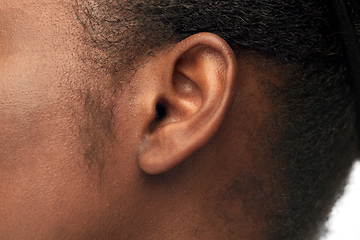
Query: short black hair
(315, 118)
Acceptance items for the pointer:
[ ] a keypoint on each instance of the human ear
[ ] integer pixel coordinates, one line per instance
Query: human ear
(190, 90)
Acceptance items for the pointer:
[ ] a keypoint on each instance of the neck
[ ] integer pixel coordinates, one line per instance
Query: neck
(193, 211)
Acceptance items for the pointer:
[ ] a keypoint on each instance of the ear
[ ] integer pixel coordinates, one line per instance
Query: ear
(191, 88)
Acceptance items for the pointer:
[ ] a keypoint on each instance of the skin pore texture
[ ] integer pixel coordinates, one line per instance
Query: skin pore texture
(129, 120)
(77, 141)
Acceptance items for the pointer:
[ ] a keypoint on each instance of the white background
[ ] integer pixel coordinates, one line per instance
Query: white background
(344, 223)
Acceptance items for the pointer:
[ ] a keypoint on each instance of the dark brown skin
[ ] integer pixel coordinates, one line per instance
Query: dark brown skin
(150, 184)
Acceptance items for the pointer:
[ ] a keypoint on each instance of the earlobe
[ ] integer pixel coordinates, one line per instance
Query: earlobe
(197, 89)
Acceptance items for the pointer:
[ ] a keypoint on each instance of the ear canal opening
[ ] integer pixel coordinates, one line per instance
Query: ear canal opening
(160, 112)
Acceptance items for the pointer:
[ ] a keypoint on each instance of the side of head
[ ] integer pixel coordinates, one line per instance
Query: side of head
(171, 119)
(307, 133)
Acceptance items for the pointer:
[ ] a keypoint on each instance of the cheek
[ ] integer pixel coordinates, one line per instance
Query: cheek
(47, 192)
(46, 189)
